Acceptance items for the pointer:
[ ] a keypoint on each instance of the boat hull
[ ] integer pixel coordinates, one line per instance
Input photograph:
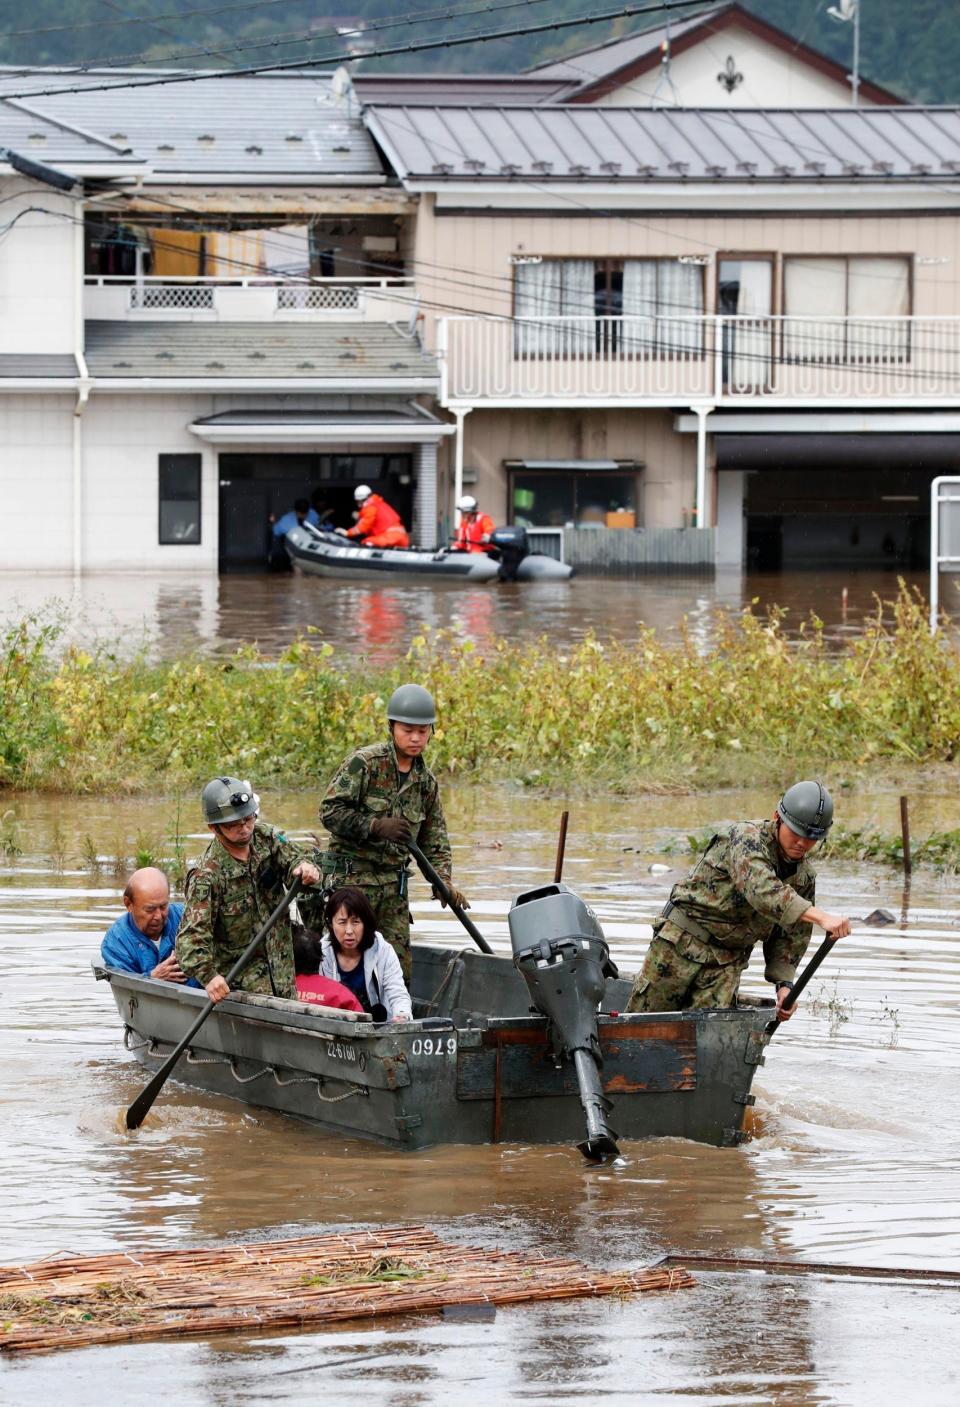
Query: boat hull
(328, 554)
(459, 1074)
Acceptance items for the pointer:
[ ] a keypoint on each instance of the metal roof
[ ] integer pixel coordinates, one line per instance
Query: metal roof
(250, 127)
(443, 144)
(479, 89)
(21, 365)
(401, 415)
(351, 353)
(585, 66)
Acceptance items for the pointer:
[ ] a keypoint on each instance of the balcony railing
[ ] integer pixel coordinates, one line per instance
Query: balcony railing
(248, 299)
(676, 359)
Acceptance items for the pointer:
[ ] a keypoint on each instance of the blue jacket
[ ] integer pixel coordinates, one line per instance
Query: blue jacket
(289, 521)
(125, 947)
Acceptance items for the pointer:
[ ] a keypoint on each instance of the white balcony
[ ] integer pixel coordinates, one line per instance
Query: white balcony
(674, 361)
(248, 299)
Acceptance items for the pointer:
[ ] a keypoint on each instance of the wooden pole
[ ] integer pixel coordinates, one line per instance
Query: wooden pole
(905, 834)
(561, 847)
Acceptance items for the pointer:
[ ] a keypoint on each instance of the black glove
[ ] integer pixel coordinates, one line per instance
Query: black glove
(393, 828)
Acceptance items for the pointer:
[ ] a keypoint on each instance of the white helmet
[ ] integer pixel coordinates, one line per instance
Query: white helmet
(467, 504)
(362, 492)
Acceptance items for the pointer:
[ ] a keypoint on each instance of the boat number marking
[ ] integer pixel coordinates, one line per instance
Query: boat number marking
(339, 1050)
(428, 1046)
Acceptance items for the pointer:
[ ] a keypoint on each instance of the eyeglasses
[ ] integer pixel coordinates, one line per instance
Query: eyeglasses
(242, 821)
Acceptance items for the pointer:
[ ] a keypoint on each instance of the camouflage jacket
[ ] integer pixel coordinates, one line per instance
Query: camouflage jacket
(367, 785)
(743, 891)
(227, 901)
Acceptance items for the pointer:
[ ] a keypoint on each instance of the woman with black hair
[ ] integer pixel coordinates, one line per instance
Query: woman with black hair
(355, 954)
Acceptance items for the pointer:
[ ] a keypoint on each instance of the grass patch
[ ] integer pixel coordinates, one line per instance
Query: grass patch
(643, 716)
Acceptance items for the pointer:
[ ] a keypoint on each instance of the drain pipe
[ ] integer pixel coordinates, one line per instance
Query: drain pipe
(701, 411)
(84, 387)
(461, 413)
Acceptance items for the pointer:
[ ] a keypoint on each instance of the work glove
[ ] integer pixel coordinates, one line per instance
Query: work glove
(392, 828)
(342, 531)
(461, 900)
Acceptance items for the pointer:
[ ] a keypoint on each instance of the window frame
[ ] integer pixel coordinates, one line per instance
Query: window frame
(163, 462)
(844, 357)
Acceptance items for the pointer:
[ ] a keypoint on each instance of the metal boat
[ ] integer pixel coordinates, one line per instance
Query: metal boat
(473, 1066)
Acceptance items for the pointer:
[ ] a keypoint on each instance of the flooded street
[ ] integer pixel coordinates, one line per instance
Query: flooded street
(856, 1158)
(169, 615)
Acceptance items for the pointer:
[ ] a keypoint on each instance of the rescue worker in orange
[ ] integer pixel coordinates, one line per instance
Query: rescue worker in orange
(378, 525)
(474, 529)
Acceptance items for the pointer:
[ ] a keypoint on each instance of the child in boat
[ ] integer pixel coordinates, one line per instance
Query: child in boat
(354, 953)
(311, 987)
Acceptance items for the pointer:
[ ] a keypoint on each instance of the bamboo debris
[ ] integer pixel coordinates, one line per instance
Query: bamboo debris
(74, 1301)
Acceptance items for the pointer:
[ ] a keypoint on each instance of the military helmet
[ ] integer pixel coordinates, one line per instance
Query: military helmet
(226, 799)
(411, 704)
(467, 504)
(807, 808)
(362, 492)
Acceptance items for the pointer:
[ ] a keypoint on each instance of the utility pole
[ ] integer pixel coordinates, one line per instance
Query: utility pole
(847, 11)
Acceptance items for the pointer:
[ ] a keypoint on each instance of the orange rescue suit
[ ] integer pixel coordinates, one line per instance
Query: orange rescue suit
(379, 525)
(473, 532)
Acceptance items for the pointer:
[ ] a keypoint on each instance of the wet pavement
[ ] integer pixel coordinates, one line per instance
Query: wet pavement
(169, 614)
(856, 1158)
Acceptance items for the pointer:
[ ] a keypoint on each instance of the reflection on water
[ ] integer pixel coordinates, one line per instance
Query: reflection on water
(857, 1158)
(170, 615)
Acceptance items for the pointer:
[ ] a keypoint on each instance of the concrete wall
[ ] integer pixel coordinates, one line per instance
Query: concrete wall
(40, 270)
(665, 486)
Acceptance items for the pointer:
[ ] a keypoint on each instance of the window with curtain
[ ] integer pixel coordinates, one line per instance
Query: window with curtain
(179, 498)
(851, 298)
(634, 307)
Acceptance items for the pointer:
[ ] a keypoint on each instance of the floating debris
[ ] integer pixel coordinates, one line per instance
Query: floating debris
(73, 1301)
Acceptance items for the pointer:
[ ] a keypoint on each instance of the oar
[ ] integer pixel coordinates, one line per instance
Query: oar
(140, 1107)
(430, 874)
(801, 982)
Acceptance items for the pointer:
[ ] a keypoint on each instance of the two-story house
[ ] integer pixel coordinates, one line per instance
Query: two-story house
(205, 312)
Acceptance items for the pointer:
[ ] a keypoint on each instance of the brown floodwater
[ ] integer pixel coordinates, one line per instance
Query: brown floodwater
(856, 1162)
(168, 614)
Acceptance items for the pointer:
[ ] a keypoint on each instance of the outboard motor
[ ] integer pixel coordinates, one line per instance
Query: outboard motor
(512, 546)
(559, 947)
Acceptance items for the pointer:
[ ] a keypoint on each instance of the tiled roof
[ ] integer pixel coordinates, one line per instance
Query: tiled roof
(250, 128)
(341, 352)
(436, 145)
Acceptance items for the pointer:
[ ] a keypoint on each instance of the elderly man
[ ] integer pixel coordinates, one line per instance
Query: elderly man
(753, 884)
(232, 891)
(142, 939)
(380, 798)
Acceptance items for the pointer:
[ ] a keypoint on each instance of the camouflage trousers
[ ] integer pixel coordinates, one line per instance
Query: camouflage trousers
(680, 974)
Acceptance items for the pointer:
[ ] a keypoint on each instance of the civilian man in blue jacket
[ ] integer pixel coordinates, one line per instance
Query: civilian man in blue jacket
(142, 940)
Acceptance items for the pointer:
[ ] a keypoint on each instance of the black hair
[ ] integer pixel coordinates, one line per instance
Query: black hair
(358, 906)
(306, 952)
(301, 505)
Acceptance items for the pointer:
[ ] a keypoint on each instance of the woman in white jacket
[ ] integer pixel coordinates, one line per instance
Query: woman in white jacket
(354, 953)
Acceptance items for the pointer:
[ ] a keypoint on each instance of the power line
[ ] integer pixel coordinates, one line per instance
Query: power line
(447, 42)
(286, 37)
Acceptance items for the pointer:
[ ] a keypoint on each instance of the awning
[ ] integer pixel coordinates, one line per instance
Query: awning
(409, 425)
(606, 465)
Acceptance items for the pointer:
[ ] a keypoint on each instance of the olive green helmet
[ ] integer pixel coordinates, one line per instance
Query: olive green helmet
(225, 799)
(807, 808)
(411, 704)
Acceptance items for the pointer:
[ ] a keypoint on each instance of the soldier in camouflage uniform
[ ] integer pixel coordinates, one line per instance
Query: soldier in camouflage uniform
(381, 797)
(753, 884)
(232, 891)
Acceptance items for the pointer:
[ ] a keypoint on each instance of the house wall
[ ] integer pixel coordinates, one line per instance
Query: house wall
(771, 78)
(665, 486)
(36, 481)
(40, 271)
(484, 244)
